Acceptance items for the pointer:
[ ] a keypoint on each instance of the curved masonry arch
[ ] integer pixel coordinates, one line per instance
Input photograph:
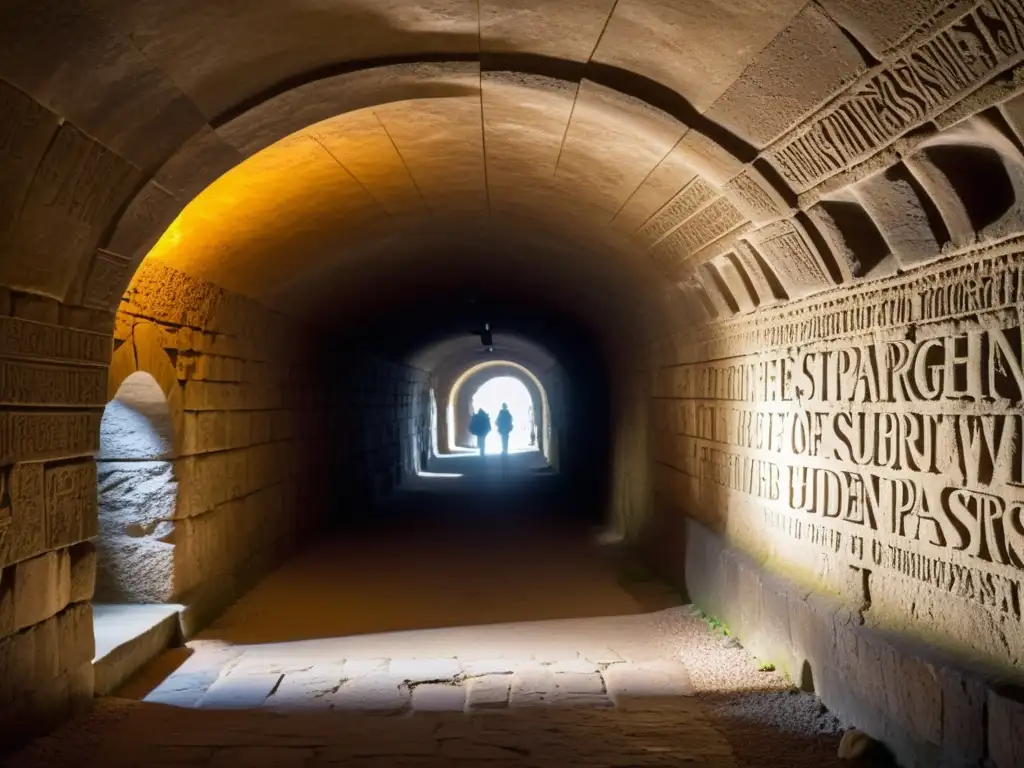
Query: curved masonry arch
(473, 378)
(141, 437)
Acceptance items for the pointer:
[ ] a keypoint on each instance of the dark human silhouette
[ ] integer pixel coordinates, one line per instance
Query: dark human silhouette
(480, 425)
(504, 424)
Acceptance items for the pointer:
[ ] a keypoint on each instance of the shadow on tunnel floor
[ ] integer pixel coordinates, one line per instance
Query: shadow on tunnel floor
(122, 733)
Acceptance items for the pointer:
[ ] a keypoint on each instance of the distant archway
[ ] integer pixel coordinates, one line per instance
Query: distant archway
(137, 495)
(459, 401)
(508, 391)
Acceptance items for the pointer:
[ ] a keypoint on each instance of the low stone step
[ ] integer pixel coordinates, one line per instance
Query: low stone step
(130, 636)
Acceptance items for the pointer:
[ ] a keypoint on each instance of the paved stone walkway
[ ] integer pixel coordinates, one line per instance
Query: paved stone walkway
(390, 651)
(133, 734)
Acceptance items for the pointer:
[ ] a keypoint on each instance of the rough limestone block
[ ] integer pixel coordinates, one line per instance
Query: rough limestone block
(6, 602)
(380, 693)
(17, 664)
(76, 643)
(39, 309)
(963, 717)
(55, 232)
(46, 651)
(1006, 728)
(47, 704)
(25, 535)
(644, 680)
(488, 691)
(899, 212)
(532, 685)
(579, 683)
(42, 587)
(83, 571)
(71, 503)
(796, 72)
(438, 697)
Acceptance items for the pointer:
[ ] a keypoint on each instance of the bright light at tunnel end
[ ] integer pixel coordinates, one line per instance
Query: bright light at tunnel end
(511, 391)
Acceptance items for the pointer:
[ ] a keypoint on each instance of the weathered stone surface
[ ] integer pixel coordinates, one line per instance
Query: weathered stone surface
(437, 697)
(380, 692)
(488, 691)
(240, 691)
(75, 643)
(660, 679)
(27, 130)
(83, 571)
(78, 187)
(25, 534)
(70, 503)
(42, 587)
(1005, 734)
(800, 69)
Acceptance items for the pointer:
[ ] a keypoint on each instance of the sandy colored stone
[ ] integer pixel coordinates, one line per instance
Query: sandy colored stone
(240, 691)
(380, 692)
(42, 587)
(436, 697)
(657, 679)
(488, 691)
(83, 572)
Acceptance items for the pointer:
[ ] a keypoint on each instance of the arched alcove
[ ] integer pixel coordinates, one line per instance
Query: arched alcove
(137, 495)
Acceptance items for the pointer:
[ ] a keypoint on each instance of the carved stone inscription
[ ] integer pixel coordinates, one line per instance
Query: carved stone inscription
(688, 201)
(895, 445)
(706, 226)
(904, 93)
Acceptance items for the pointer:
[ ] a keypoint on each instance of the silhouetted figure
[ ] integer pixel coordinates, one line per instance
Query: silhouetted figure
(480, 425)
(504, 423)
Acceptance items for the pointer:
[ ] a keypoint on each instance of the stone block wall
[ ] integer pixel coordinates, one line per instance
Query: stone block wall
(49, 352)
(272, 430)
(863, 448)
(380, 416)
(249, 413)
(929, 710)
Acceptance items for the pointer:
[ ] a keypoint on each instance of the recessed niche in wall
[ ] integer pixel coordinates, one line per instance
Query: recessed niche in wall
(137, 496)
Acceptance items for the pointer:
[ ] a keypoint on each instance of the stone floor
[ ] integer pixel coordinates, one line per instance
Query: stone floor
(454, 643)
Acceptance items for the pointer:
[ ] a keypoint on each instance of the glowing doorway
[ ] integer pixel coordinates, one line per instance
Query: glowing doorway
(511, 391)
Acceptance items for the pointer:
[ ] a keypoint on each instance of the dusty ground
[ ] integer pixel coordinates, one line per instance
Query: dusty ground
(454, 642)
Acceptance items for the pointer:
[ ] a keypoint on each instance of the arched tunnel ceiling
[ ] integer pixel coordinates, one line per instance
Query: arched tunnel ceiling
(574, 148)
(493, 187)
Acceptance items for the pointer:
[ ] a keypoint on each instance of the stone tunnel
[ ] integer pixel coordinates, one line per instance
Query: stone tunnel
(756, 264)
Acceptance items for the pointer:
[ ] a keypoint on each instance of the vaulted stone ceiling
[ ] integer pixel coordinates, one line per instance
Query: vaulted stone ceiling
(745, 153)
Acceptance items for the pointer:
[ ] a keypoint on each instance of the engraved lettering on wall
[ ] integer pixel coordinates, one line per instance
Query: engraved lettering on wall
(884, 427)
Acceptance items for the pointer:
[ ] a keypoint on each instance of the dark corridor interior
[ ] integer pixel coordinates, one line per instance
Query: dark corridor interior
(754, 268)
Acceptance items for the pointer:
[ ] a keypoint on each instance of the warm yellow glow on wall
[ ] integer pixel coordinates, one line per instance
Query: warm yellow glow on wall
(315, 194)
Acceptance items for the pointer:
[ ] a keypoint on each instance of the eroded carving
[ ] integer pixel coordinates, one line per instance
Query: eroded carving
(787, 252)
(24, 338)
(710, 223)
(882, 429)
(35, 435)
(904, 93)
(687, 202)
(108, 278)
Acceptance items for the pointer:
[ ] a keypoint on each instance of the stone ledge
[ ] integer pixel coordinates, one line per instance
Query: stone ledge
(927, 709)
